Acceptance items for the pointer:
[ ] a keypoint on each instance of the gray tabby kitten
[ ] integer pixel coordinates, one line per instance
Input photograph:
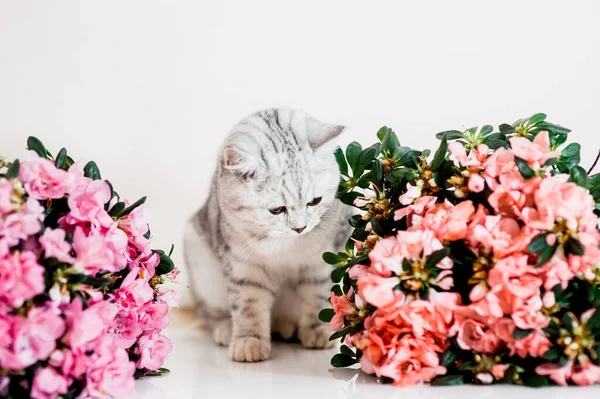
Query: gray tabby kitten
(254, 249)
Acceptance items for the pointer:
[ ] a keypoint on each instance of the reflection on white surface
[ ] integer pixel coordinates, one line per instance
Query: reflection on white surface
(199, 369)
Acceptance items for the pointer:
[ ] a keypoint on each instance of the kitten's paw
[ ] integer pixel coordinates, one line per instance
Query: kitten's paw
(222, 332)
(249, 349)
(315, 337)
(284, 327)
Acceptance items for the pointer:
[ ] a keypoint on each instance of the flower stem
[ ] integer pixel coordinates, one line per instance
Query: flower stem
(595, 163)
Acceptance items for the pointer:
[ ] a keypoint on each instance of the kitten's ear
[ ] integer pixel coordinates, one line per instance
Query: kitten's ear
(319, 133)
(241, 163)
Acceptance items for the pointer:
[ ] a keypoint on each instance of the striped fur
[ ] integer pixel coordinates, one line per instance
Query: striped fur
(252, 272)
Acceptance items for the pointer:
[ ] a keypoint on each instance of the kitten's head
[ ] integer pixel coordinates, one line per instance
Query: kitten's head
(277, 175)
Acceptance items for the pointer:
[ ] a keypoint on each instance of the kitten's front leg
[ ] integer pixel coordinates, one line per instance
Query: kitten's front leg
(251, 298)
(313, 288)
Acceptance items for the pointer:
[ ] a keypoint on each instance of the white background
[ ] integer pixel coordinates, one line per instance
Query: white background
(149, 88)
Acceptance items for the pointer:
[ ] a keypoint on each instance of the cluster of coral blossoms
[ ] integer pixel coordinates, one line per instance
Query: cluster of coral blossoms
(479, 266)
(82, 305)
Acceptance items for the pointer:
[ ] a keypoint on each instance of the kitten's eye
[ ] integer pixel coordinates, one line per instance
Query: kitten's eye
(315, 201)
(277, 211)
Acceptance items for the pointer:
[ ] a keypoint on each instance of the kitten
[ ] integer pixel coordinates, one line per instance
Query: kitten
(254, 249)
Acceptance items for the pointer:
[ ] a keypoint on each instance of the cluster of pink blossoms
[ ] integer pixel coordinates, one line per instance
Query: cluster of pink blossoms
(81, 307)
(413, 309)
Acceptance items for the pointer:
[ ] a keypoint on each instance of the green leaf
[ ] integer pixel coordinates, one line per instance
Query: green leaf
(545, 256)
(407, 159)
(377, 174)
(568, 321)
(538, 244)
(573, 246)
(13, 170)
(171, 250)
(569, 158)
(485, 130)
(552, 128)
(506, 129)
(594, 186)
(450, 135)
(519, 333)
(448, 380)
(132, 207)
(578, 176)
(496, 140)
(440, 155)
(593, 323)
(397, 176)
(436, 257)
(91, 170)
(61, 159)
(557, 140)
(365, 180)
(341, 161)
(388, 139)
(524, 168)
(347, 351)
(552, 354)
(536, 381)
(326, 315)
(337, 290)
(117, 209)
(337, 274)
(148, 234)
(406, 265)
(332, 259)
(348, 198)
(364, 160)
(352, 152)
(33, 143)
(537, 118)
(342, 360)
(449, 358)
(166, 265)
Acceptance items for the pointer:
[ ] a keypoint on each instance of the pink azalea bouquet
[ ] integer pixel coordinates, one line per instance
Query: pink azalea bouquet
(479, 264)
(81, 300)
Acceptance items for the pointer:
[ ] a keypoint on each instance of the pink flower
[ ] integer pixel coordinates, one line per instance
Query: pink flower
(342, 306)
(418, 208)
(33, 339)
(134, 292)
(48, 384)
(171, 298)
(476, 183)
(55, 246)
(136, 223)
(535, 152)
(4, 383)
(110, 373)
(86, 203)
(41, 179)
(70, 362)
(21, 278)
(587, 373)
(474, 335)
(6, 192)
(127, 328)
(92, 253)
(501, 234)
(153, 316)
(19, 226)
(379, 291)
(498, 371)
(558, 374)
(514, 275)
(386, 257)
(87, 325)
(153, 350)
(410, 195)
(556, 199)
(449, 222)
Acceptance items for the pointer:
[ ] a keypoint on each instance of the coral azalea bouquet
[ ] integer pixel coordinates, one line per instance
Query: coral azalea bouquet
(479, 264)
(82, 305)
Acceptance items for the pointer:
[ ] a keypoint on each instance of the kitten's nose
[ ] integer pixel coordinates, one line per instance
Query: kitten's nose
(299, 230)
